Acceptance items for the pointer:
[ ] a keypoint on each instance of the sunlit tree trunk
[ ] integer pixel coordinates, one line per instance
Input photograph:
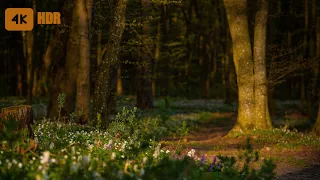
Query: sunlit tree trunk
(103, 95)
(242, 57)
(262, 116)
(83, 8)
(253, 109)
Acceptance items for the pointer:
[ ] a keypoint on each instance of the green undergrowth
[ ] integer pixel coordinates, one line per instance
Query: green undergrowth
(127, 149)
(282, 138)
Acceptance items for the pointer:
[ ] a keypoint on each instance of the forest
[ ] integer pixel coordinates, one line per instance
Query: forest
(162, 89)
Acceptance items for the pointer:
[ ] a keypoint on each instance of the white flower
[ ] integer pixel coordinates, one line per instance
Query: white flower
(96, 174)
(74, 167)
(90, 146)
(110, 142)
(167, 151)
(65, 156)
(14, 161)
(113, 155)
(157, 151)
(144, 160)
(20, 165)
(45, 157)
(142, 172)
(135, 167)
(191, 153)
(86, 159)
(123, 146)
(51, 145)
(122, 156)
(9, 165)
(53, 160)
(120, 174)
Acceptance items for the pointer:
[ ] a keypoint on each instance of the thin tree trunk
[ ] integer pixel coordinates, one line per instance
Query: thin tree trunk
(19, 80)
(83, 74)
(28, 45)
(119, 81)
(260, 70)
(156, 59)
(144, 87)
(55, 62)
(99, 55)
(72, 61)
(316, 127)
(242, 57)
(103, 95)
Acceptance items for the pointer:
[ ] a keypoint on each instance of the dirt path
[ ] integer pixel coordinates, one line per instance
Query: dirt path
(292, 163)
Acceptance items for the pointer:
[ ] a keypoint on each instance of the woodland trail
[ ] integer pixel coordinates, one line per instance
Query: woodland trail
(209, 139)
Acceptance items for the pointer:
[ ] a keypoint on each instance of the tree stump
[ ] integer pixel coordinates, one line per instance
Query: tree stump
(22, 114)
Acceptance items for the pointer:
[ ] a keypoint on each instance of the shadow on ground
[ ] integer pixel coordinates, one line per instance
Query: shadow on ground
(311, 173)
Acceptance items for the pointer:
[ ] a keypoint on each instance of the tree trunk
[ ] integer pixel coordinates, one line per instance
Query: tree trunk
(156, 59)
(103, 95)
(83, 8)
(28, 46)
(242, 57)
(23, 114)
(144, 87)
(72, 61)
(119, 81)
(316, 127)
(260, 70)
(55, 60)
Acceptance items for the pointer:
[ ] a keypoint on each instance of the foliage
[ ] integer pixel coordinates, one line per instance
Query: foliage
(121, 152)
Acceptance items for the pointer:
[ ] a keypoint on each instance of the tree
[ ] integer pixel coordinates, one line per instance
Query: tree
(260, 72)
(144, 73)
(105, 82)
(83, 8)
(55, 64)
(248, 72)
(316, 127)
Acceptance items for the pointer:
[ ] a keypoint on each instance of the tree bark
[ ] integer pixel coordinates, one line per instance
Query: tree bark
(242, 57)
(144, 87)
(260, 71)
(119, 81)
(104, 87)
(83, 80)
(316, 127)
(55, 61)
(28, 48)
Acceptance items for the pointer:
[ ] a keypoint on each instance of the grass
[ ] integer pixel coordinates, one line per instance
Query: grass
(206, 123)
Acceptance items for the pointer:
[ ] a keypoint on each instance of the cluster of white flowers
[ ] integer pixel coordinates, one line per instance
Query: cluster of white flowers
(191, 153)
(157, 151)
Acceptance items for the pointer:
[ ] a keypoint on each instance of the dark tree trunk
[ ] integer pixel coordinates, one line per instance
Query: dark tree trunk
(144, 87)
(105, 86)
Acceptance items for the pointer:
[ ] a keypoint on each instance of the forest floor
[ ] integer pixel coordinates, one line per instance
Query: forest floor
(294, 158)
(295, 153)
